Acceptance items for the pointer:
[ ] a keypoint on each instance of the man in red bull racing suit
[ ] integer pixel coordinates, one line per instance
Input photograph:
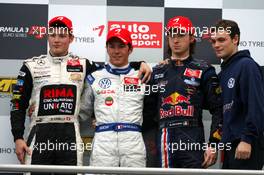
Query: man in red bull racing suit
(187, 86)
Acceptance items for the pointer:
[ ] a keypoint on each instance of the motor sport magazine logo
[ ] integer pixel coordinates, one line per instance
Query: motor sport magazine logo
(143, 34)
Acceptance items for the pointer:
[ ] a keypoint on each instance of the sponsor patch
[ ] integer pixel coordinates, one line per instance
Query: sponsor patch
(16, 96)
(104, 83)
(74, 65)
(218, 90)
(190, 82)
(158, 76)
(43, 72)
(14, 106)
(73, 62)
(18, 89)
(20, 82)
(105, 91)
(131, 81)
(42, 76)
(90, 79)
(177, 111)
(175, 98)
(231, 83)
(163, 83)
(22, 74)
(57, 100)
(193, 73)
(75, 77)
(217, 134)
(109, 101)
(41, 62)
(78, 68)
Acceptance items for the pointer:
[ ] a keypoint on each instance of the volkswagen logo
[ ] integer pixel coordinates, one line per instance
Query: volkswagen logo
(231, 83)
(105, 83)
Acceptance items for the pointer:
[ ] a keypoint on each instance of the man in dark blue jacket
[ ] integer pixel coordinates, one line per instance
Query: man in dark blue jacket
(243, 99)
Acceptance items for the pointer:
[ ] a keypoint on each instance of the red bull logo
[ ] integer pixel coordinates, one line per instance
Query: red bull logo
(176, 98)
(177, 111)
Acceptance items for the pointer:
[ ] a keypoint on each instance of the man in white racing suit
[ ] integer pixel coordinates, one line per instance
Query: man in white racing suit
(116, 94)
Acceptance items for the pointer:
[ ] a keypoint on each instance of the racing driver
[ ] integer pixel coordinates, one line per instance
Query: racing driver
(191, 85)
(116, 95)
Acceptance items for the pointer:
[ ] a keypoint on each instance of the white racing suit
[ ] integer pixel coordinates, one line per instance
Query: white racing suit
(116, 95)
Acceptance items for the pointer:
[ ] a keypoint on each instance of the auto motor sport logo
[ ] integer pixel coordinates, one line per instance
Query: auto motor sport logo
(143, 34)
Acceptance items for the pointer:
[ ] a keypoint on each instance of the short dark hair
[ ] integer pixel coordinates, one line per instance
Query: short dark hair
(228, 25)
(129, 44)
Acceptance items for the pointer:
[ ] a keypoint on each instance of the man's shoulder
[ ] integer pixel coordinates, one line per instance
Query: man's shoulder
(160, 68)
(99, 71)
(74, 56)
(35, 58)
(98, 74)
(247, 61)
(243, 57)
(200, 63)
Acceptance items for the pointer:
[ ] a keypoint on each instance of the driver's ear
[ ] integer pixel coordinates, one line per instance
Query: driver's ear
(130, 50)
(71, 38)
(235, 39)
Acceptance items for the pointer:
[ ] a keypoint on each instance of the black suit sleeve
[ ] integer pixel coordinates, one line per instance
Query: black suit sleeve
(20, 102)
(136, 65)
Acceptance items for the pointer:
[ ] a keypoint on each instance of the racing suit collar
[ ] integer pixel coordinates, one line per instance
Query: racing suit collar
(179, 59)
(58, 59)
(115, 67)
(117, 70)
(182, 61)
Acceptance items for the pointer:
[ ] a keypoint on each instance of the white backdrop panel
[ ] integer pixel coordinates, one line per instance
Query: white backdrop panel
(251, 30)
(85, 18)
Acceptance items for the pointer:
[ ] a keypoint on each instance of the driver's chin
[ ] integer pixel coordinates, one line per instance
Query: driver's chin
(116, 62)
(56, 53)
(219, 55)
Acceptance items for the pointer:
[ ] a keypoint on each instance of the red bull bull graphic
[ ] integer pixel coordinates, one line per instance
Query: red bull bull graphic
(176, 98)
(177, 111)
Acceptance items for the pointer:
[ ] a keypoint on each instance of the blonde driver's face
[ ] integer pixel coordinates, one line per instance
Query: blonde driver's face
(59, 42)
